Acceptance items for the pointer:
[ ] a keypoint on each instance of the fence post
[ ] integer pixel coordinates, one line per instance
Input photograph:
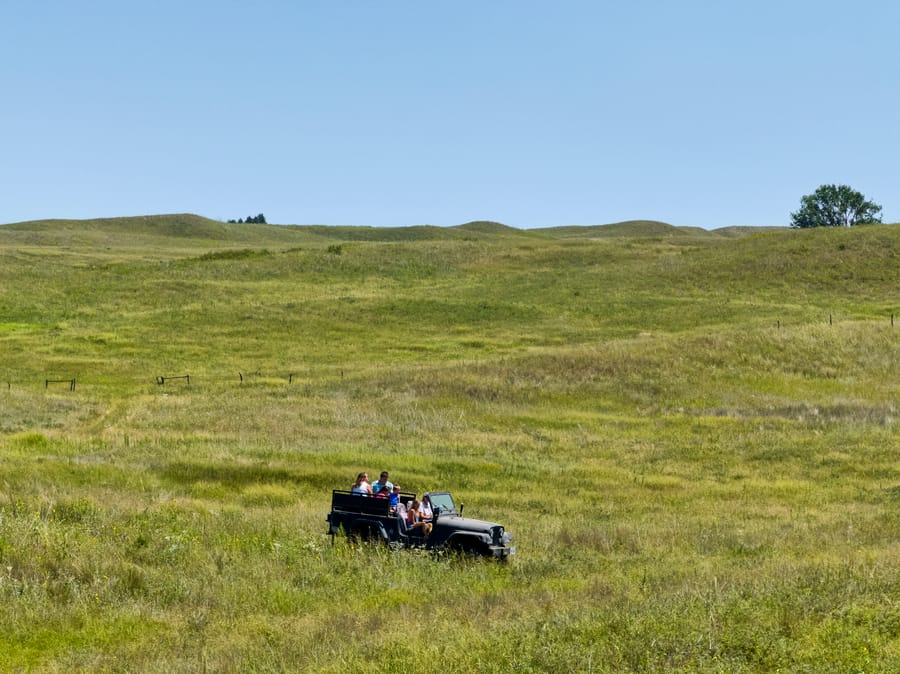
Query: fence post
(70, 382)
(161, 379)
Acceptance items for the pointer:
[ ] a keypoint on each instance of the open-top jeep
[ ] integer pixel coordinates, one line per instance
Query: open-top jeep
(368, 518)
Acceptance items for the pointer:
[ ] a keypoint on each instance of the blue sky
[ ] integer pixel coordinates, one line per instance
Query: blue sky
(533, 114)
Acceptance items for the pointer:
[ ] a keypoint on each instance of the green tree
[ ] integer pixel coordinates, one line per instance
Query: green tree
(835, 206)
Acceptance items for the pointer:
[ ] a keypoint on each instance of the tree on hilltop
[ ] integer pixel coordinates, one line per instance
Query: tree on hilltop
(253, 219)
(835, 206)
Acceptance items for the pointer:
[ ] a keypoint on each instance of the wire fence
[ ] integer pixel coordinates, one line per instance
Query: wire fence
(186, 380)
(57, 384)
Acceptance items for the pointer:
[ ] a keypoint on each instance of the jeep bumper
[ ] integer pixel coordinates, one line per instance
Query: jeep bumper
(501, 551)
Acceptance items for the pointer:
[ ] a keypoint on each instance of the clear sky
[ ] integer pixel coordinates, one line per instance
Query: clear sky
(530, 113)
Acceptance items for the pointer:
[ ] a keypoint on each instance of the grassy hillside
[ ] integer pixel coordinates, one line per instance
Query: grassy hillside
(691, 435)
(629, 228)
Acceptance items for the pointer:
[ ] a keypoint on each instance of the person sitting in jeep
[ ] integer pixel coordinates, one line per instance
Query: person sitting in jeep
(362, 486)
(381, 482)
(414, 519)
(425, 511)
(395, 497)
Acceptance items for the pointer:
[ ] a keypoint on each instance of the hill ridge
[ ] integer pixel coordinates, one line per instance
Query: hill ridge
(190, 225)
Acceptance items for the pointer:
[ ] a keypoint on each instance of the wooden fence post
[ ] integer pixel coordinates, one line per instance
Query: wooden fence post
(70, 382)
(161, 379)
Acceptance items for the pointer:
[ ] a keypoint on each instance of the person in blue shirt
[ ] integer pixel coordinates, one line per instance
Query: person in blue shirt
(395, 497)
(381, 482)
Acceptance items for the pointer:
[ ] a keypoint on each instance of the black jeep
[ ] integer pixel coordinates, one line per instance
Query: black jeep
(368, 518)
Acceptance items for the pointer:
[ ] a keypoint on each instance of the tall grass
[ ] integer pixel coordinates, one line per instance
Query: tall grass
(698, 466)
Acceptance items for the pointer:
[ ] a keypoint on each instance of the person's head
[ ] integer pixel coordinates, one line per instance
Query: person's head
(426, 499)
(415, 504)
(384, 490)
(361, 477)
(383, 477)
(397, 489)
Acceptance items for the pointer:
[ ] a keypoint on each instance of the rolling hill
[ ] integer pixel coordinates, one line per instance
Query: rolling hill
(199, 230)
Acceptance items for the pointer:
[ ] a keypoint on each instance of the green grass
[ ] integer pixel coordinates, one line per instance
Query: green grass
(692, 436)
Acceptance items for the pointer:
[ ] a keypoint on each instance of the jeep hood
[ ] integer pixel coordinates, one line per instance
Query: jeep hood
(464, 524)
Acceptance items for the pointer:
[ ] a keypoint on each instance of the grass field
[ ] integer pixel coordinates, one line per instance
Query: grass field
(691, 435)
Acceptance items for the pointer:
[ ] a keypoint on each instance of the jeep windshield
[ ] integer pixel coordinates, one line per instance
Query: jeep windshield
(442, 501)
